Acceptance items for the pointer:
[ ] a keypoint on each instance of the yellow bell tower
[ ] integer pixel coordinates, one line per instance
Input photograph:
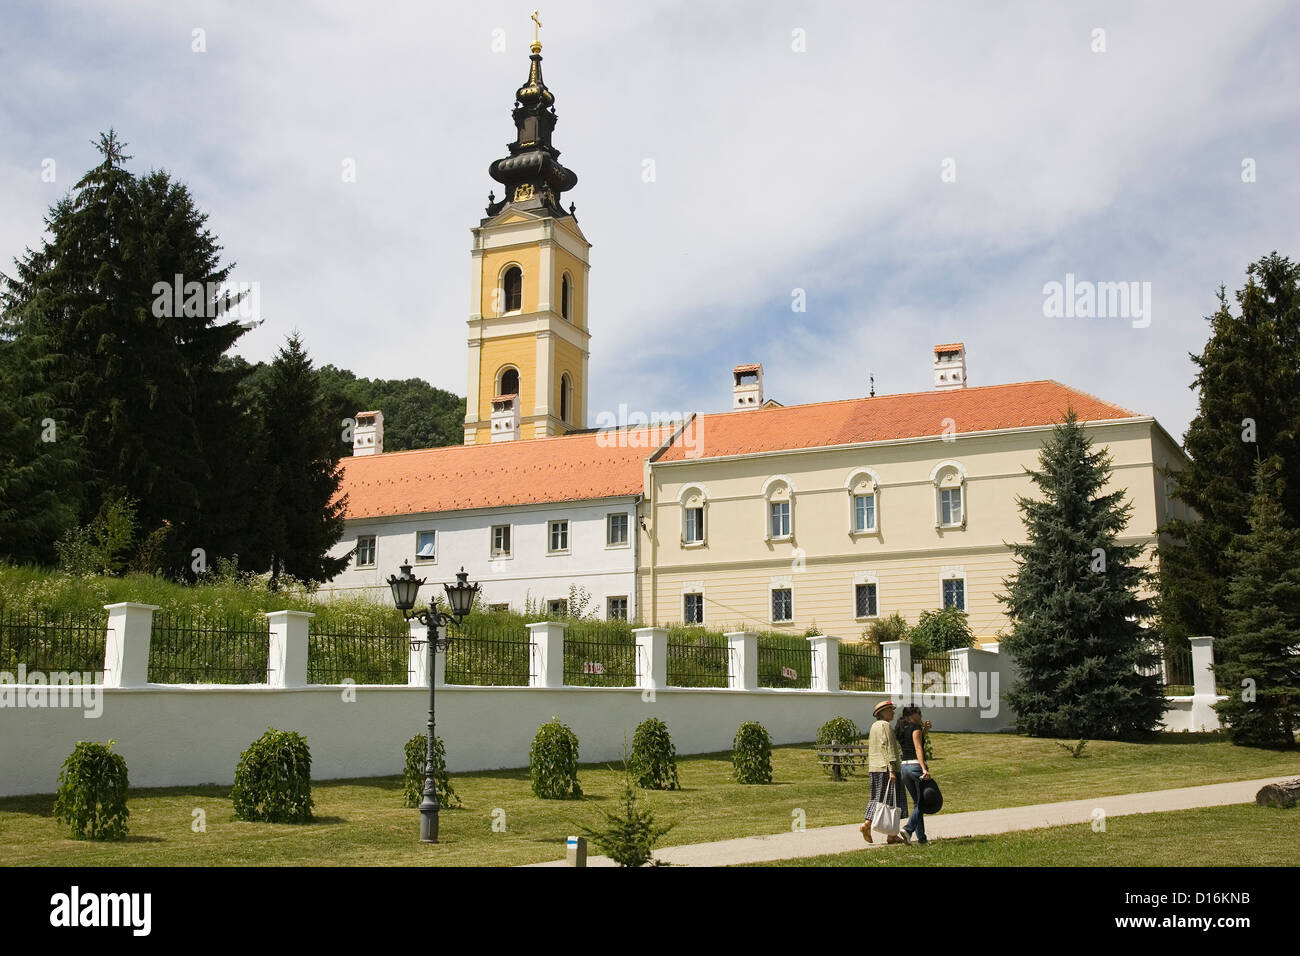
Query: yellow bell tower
(528, 333)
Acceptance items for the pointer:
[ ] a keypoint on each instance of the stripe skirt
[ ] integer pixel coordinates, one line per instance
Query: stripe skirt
(879, 786)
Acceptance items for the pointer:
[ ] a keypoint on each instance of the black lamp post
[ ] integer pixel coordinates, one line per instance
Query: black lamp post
(460, 598)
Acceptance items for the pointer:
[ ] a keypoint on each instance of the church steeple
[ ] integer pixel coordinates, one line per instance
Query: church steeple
(529, 342)
(532, 174)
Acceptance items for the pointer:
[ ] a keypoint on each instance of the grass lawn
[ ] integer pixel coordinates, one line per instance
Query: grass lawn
(1239, 835)
(362, 822)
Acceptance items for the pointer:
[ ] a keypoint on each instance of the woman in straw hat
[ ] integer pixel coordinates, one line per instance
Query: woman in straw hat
(884, 763)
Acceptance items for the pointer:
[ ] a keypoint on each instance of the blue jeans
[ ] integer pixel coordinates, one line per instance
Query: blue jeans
(912, 781)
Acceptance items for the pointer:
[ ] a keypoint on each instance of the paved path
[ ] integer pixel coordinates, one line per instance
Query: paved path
(821, 841)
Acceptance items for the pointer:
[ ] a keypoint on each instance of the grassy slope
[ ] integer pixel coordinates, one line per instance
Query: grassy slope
(362, 821)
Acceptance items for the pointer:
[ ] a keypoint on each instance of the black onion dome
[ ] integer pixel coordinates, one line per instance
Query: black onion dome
(532, 174)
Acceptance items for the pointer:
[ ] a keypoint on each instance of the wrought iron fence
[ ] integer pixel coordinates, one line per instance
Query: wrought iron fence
(785, 662)
(698, 658)
(193, 649)
(862, 667)
(1176, 672)
(360, 653)
(941, 665)
(50, 642)
(485, 653)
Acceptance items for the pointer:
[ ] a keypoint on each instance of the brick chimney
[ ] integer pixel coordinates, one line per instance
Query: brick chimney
(950, 365)
(368, 434)
(747, 390)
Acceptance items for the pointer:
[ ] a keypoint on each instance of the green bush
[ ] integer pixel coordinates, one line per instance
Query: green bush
(91, 798)
(751, 754)
(273, 779)
(553, 762)
(892, 628)
(413, 777)
(843, 730)
(938, 632)
(654, 758)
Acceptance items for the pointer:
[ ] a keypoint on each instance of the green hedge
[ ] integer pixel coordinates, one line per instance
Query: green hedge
(273, 779)
(91, 798)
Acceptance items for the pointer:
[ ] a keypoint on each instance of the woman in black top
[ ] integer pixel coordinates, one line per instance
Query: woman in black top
(910, 730)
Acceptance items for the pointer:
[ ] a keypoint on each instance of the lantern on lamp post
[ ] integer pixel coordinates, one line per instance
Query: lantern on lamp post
(460, 598)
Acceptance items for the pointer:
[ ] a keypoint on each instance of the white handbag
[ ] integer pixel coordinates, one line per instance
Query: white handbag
(888, 818)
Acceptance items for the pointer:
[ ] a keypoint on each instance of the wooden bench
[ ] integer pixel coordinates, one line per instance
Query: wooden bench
(837, 756)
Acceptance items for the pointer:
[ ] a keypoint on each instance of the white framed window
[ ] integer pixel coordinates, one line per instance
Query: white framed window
(694, 501)
(616, 608)
(949, 479)
(510, 293)
(782, 605)
(557, 608)
(950, 506)
(864, 512)
(558, 536)
(864, 600)
(365, 551)
(426, 547)
(779, 512)
(693, 608)
(616, 529)
(501, 541)
(693, 533)
(954, 592)
(778, 492)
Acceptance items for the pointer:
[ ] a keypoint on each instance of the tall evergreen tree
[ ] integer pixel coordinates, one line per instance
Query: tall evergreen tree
(145, 394)
(40, 457)
(1073, 603)
(303, 446)
(1261, 644)
(1248, 380)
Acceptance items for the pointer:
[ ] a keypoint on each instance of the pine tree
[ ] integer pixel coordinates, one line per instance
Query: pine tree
(1248, 383)
(1074, 605)
(144, 393)
(40, 458)
(302, 446)
(1259, 652)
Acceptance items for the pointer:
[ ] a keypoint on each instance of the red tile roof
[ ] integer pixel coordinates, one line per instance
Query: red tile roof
(747, 368)
(950, 347)
(460, 477)
(886, 417)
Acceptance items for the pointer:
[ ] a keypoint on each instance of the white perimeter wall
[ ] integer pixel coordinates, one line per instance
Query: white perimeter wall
(174, 736)
(530, 573)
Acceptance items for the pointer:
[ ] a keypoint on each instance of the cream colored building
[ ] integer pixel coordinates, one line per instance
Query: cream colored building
(838, 513)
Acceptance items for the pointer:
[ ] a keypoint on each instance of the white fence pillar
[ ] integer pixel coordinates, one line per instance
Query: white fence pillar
(1204, 692)
(959, 668)
(126, 644)
(417, 673)
(651, 657)
(547, 654)
(743, 674)
(898, 667)
(287, 663)
(825, 663)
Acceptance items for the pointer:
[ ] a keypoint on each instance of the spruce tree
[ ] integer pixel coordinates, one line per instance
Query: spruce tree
(302, 447)
(1074, 605)
(1259, 652)
(144, 393)
(1248, 385)
(40, 458)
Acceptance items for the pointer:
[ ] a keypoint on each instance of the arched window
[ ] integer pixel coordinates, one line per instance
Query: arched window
(566, 398)
(949, 479)
(508, 381)
(566, 297)
(778, 496)
(863, 485)
(512, 289)
(694, 499)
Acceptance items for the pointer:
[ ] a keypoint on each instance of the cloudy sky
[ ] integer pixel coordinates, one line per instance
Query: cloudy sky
(920, 169)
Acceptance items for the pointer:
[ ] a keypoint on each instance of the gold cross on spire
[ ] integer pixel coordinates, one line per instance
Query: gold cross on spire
(537, 26)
